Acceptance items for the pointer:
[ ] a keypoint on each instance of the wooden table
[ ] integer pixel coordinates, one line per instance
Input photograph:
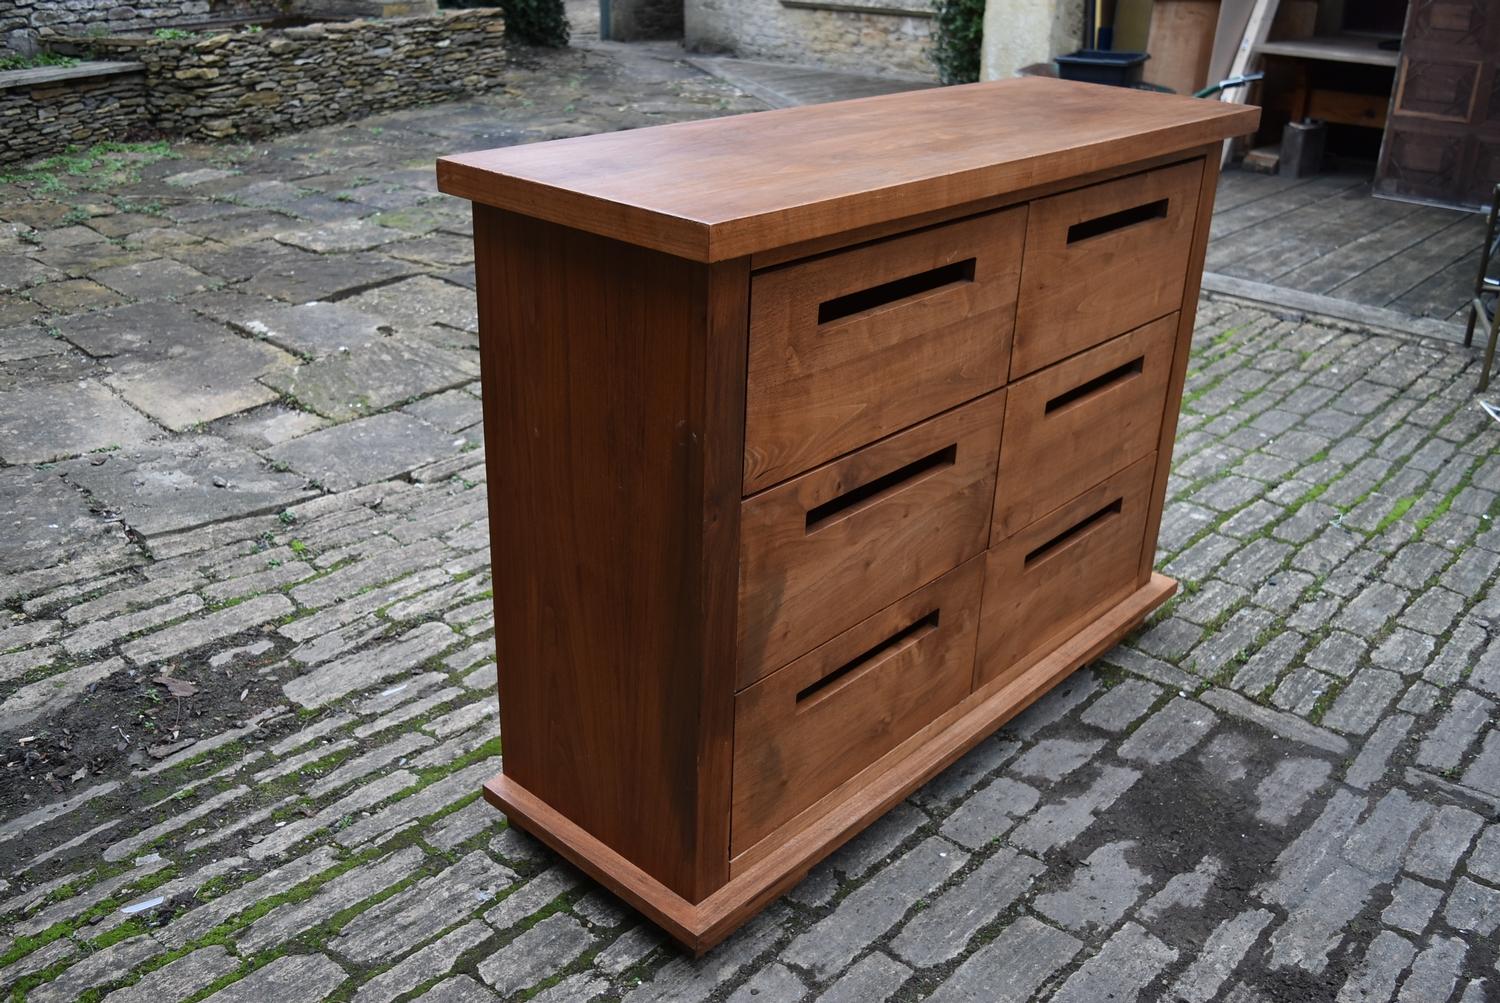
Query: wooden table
(821, 442)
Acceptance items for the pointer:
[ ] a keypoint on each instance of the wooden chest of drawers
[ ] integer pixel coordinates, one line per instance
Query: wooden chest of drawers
(821, 442)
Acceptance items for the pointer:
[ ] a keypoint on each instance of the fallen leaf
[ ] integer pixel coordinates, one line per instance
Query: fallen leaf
(176, 687)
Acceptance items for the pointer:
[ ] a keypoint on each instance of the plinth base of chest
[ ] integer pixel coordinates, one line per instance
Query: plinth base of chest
(830, 823)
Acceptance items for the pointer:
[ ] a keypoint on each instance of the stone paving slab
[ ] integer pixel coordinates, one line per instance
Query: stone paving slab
(55, 422)
(184, 483)
(1284, 787)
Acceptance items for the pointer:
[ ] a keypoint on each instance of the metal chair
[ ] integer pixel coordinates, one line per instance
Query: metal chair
(1485, 286)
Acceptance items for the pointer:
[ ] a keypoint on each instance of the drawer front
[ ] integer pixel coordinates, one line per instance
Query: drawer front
(1046, 581)
(851, 347)
(1073, 424)
(827, 549)
(809, 727)
(1103, 260)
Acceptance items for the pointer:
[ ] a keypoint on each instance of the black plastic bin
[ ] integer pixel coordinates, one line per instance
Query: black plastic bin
(1099, 66)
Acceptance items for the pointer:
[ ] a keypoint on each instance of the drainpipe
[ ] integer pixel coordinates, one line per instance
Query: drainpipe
(604, 20)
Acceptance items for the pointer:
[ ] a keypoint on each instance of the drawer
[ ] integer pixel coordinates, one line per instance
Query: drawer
(1103, 260)
(850, 347)
(807, 728)
(823, 551)
(1075, 423)
(1048, 580)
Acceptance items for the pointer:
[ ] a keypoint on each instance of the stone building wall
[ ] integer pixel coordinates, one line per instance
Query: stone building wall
(247, 84)
(67, 109)
(883, 37)
(1019, 33)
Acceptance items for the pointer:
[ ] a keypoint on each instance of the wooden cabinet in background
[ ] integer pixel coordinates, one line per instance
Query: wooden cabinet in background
(821, 442)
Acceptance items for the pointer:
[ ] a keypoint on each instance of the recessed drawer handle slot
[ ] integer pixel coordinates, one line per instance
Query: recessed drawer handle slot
(1075, 532)
(898, 289)
(1100, 225)
(889, 648)
(1116, 375)
(862, 497)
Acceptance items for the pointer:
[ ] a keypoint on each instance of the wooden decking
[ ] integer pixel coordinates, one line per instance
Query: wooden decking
(1327, 235)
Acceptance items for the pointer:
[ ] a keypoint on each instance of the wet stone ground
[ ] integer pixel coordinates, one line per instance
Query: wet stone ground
(246, 659)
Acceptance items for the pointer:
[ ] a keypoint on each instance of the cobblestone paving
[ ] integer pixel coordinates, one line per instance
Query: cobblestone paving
(246, 662)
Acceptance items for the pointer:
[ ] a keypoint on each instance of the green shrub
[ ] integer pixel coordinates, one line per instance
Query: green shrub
(32, 62)
(536, 22)
(958, 30)
(540, 22)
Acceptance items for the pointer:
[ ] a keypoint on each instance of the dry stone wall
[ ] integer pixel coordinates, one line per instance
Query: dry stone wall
(247, 84)
(43, 112)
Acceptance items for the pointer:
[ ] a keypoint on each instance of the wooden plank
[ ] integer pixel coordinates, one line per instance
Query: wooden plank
(1364, 50)
(46, 76)
(1256, 30)
(1393, 278)
(1293, 199)
(1348, 107)
(1357, 256)
(1446, 293)
(1374, 318)
(1240, 187)
(630, 325)
(1181, 43)
(697, 189)
(1284, 245)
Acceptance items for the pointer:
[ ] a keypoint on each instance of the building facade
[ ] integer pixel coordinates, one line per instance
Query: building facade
(879, 37)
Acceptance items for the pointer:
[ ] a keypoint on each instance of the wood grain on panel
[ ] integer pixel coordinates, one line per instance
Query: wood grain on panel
(808, 727)
(850, 347)
(1078, 421)
(612, 403)
(728, 187)
(1172, 410)
(772, 257)
(1051, 578)
(823, 551)
(1102, 260)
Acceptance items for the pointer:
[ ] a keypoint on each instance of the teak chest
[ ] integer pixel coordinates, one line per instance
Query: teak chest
(820, 443)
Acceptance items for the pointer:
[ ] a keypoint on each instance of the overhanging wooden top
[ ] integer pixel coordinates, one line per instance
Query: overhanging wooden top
(722, 188)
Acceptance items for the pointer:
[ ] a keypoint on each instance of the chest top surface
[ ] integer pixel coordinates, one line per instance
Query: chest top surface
(721, 188)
